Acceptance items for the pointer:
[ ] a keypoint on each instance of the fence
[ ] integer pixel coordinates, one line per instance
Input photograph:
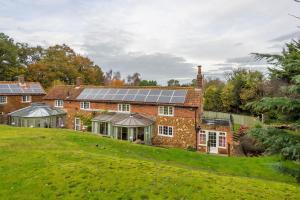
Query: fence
(237, 119)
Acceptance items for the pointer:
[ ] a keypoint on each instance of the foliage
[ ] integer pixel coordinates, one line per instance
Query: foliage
(134, 79)
(286, 69)
(173, 82)
(59, 164)
(212, 98)
(148, 83)
(60, 62)
(278, 141)
(11, 57)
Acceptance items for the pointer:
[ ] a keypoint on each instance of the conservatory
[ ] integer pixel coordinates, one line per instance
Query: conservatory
(124, 126)
(38, 115)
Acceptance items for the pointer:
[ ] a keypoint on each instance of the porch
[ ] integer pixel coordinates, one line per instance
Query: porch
(124, 126)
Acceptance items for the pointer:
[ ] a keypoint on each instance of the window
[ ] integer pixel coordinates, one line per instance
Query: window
(3, 99)
(165, 131)
(222, 139)
(77, 126)
(124, 107)
(84, 105)
(202, 138)
(26, 99)
(59, 103)
(166, 110)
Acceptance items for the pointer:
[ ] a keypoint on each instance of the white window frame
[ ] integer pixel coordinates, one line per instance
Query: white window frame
(77, 127)
(124, 108)
(3, 99)
(225, 135)
(203, 133)
(59, 103)
(161, 129)
(218, 140)
(83, 105)
(170, 111)
(27, 98)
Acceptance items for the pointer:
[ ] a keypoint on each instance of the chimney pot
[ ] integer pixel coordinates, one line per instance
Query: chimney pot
(78, 81)
(21, 79)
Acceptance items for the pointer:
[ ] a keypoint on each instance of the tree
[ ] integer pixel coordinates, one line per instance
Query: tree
(212, 98)
(286, 68)
(148, 83)
(134, 79)
(173, 82)
(60, 62)
(10, 63)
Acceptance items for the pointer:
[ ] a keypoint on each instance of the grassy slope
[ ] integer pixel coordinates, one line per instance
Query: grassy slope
(48, 163)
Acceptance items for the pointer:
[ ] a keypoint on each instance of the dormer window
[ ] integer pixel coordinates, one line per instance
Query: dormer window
(26, 99)
(59, 103)
(3, 99)
(124, 108)
(85, 105)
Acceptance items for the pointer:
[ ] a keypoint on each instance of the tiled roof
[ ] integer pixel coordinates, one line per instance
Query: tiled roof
(63, 92)
(16, 88)
(71, 92)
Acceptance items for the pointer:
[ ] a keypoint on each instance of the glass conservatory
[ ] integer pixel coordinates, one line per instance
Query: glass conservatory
(124, 126)
(38, 115)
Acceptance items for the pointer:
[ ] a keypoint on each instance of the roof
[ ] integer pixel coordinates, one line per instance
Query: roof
(16, 88)
(63, 92)
(125, 119)
(37, 110)
(192, 97)
(220, 122)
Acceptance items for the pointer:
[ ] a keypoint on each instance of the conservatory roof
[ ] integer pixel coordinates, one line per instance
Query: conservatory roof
(37, 110)
(125, 119)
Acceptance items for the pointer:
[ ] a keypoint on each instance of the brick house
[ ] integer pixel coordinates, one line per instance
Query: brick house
(18, 94)
(163, 116)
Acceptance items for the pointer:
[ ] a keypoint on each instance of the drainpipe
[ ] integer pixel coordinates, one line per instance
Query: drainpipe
(196, 129)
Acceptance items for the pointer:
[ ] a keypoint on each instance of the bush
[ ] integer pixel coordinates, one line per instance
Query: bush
(278, 141)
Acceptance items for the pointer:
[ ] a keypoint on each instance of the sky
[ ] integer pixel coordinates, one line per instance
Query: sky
(160, 39)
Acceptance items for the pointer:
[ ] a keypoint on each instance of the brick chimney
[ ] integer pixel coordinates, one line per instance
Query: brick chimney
(21, 80)
(199, 80)
(78, 81)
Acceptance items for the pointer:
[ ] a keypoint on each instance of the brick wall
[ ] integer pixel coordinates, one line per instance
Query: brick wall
(183, 121)
(15, 103)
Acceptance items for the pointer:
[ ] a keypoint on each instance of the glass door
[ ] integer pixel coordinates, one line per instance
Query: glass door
(212, 142)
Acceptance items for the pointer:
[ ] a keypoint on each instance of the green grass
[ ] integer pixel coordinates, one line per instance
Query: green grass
(62, 164)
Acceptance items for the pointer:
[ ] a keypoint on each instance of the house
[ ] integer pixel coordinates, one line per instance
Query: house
(162, 116)
(38, 115)
(18, 94)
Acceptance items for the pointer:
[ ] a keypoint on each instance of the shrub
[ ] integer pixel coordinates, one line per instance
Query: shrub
(278, 141)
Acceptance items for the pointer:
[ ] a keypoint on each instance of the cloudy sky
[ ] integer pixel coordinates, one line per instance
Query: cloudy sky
(160, 39)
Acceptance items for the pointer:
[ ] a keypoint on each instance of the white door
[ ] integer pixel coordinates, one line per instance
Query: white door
(77, 124)
(212, 142)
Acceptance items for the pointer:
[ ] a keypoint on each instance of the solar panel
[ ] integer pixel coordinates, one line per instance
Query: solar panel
(13, 88)
(138, 95)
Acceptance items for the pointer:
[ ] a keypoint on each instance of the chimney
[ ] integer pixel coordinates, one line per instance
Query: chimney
(199, 80)
(21, 80)
(78, 81)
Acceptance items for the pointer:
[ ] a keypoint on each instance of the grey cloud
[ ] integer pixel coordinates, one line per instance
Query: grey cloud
(289, 36)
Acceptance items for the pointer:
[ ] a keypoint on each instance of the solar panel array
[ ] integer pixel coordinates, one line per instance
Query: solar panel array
(15, 88)
(134, 95)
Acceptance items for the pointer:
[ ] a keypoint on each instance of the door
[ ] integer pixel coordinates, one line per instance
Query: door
(212, 142)
(77, 124)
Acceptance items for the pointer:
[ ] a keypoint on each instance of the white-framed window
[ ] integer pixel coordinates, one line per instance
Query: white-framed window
(77, 124)
(26, 99)
(85, 105)
(59, 103)
(124, 107)
(3, 99)
(222, 139)
(202, 138)
(166, 110)
(166, 131)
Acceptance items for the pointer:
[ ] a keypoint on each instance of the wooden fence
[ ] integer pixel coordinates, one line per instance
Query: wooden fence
(237, 119)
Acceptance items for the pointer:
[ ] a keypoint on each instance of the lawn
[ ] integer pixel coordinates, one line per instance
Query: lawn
(63, 164)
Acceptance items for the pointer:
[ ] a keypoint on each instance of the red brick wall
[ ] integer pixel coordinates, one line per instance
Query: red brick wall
(15, 103)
